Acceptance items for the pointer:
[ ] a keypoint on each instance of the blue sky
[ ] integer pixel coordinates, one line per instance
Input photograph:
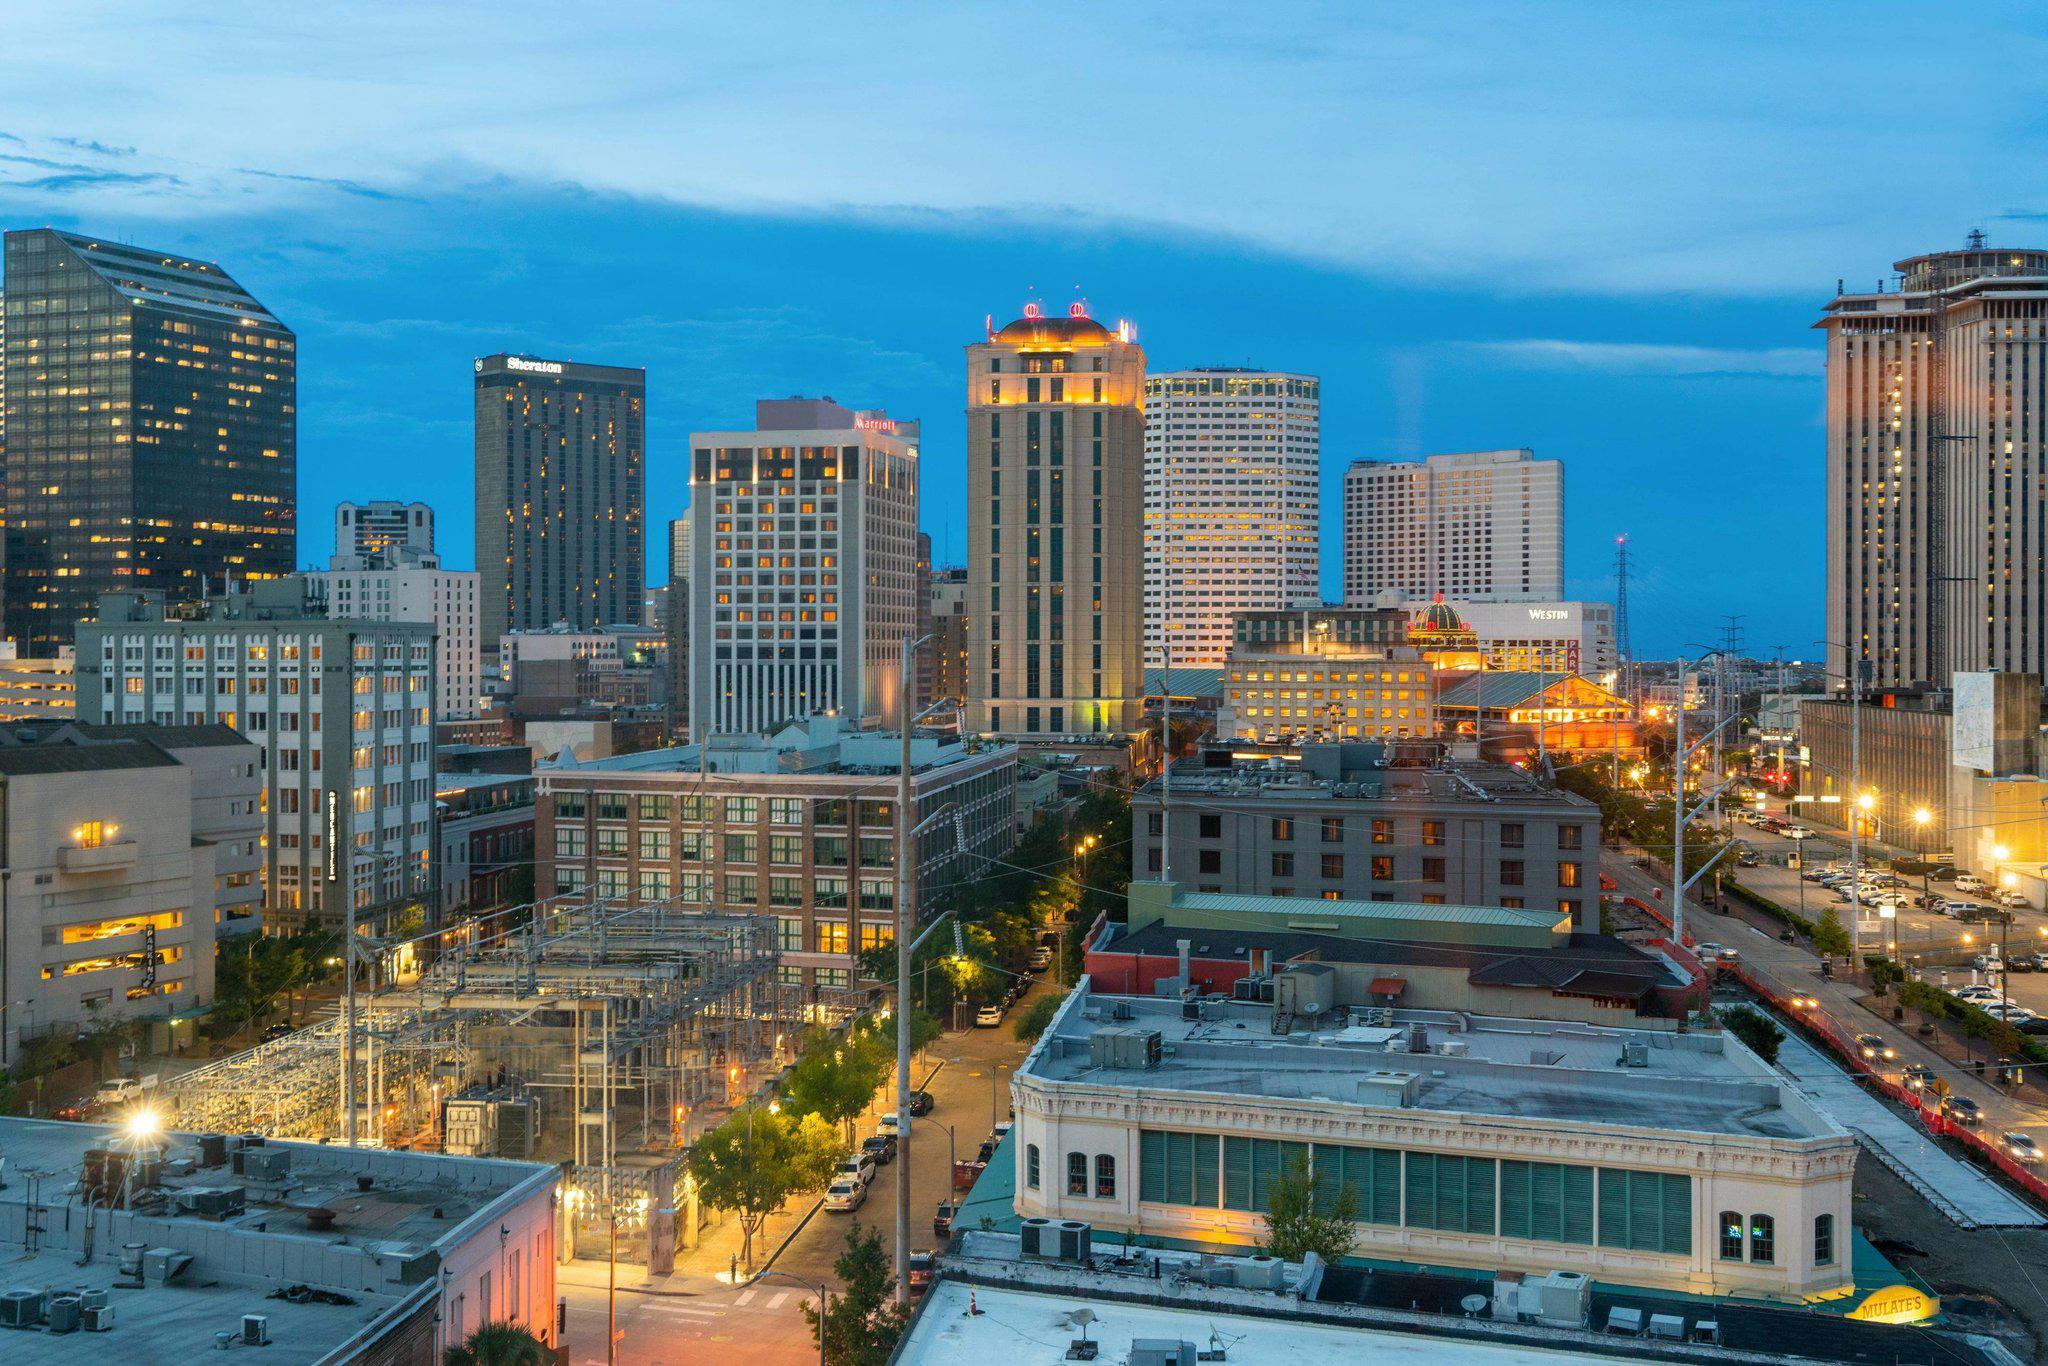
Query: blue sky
(1598, 231)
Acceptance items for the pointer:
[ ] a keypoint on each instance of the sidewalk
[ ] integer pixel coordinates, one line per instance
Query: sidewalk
(705, 1269)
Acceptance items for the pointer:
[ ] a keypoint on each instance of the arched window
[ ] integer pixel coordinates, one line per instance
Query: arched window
(1077, 1173)
(1823, 1240)
(1763, 1239)
(1105, 1177)
(1031, 1165)
(1731, 1235)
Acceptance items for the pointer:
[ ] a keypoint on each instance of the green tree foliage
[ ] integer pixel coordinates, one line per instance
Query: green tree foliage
(864, 1323)
(498, 1344)
(1036, 1017)
(758, 1158)
(1829, 938)
(1758, 1032)
(836, 1077)
(1884, 973)
(1300, 1220)
(253, 972)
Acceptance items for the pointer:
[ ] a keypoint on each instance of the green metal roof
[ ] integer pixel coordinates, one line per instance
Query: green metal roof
(1307, 908)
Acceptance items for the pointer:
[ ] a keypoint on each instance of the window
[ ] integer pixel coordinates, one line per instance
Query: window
(1249, 1166)
(1763, 1239)
(1549, 1202)
(1283, 865)
(1511, 835)
(1382, 832)
(654, 842)
(1383, 868)
(1823, 1240)
(1211, 826)
(831, 936)
(1211, 861)
(1569, 836)
(1283, 828)
(1450, 1192)
(742, 848)
(1177, 1169)
(1731, 1235)
(1333, 865)
(1568, 874)
(786, 810)
(1432, 870)
(653, 808)
(1105, 1177)
(1646, 1211)
(1333, 830)
(1373, 1175)
(1077, 1173)
(741, 810)
(1031, 1165)
(568, 841)
(789, 934)
(1510, 872)
(611, 806)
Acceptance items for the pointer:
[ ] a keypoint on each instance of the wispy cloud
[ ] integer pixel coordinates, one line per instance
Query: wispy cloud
(100, 148)
(1650, 358)
(68, 182)
(353, 187)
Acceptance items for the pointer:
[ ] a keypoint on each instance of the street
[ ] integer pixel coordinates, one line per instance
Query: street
(696, 1315)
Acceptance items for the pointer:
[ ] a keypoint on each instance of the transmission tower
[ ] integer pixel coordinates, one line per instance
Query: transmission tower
(1621, 650)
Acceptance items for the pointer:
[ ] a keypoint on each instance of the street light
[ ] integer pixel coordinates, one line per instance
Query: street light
(824, 1292)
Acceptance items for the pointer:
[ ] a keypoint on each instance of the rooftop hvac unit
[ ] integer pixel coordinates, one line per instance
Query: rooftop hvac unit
(1306, 989)
(21, 1308)
(213, 1150)
(64, 1314)
(1453, 1048)
(1393, 1090)
(164, 1264)
(216, 1203)
(1126, 1047)
(518, 1121)
(266, 1164)
(255, 1330)
(1636, 1054)
(1260, 1272)
(1162, 1352)
(96, 1318)
(1564, 1300)
(1074, 1240)
(92, 1299)
(1039, 1238)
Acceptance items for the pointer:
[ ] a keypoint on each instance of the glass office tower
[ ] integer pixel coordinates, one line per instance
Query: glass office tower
(151, 434)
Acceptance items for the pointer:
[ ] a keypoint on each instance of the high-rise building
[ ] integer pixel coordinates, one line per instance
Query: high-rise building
(676, 625)
(152, 430)
(1481, 526)
(1232, 469)
(368, 528)
(1055, 548)
(949, 626)
(927, 663)
(400, 583)
(560, 493)
(1936, 462)
(343, 712)
(803, 543)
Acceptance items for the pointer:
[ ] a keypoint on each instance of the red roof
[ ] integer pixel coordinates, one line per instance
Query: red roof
(1387, 986)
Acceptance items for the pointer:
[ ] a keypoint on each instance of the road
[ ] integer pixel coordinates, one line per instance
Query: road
(702, 1318)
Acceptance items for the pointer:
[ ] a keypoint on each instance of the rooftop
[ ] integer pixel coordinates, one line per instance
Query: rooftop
(378, 1258)
(1492, 1066)
(819, 746)
(1355, 772)
(19, 759)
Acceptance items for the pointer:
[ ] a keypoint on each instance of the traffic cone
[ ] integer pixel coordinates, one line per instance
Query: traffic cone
(973, 1310)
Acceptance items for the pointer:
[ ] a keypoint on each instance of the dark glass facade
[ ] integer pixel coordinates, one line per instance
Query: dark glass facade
(151, 431)
(560, 494)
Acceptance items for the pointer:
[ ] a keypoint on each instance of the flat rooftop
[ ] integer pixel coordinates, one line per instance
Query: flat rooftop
(380, 1254)
(1349, 777)
(1490, 1066)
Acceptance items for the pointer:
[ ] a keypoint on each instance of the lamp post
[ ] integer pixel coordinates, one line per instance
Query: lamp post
(824, 1293)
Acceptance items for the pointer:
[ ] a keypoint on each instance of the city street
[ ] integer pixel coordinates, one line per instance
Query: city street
(696, 1315)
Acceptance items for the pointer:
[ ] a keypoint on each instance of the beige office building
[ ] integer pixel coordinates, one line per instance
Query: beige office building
(1936, 462)
(1480, 526)
(1055, 545)
(1232, 461)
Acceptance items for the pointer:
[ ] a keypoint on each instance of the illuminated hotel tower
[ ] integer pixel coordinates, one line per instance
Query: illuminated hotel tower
(1055, 546)
(1232, 459)
(1936, 461)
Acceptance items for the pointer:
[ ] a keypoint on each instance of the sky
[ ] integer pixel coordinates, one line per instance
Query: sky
(1600, 231)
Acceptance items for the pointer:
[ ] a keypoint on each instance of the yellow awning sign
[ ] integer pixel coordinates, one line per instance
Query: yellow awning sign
(1897, 1304)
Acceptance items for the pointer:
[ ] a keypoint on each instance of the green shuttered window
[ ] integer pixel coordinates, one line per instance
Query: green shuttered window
(1546, 1201)
(1177, 1169)
(1454, 1194)
(1373, 1174)
(1249, 1166)
(1646, 1211)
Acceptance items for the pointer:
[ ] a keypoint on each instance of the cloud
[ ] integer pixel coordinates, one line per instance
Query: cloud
(1651, 358)
(101, 148)
(333, 183)
(69, 181)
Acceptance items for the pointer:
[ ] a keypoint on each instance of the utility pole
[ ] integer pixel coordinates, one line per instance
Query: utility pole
(1621, 660)
(1855, 821)
(906, 921)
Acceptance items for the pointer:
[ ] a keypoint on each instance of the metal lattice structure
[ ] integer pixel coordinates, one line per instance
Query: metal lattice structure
(632, 1025)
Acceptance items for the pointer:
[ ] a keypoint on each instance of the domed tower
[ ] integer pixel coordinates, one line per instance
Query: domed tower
(1055, 527)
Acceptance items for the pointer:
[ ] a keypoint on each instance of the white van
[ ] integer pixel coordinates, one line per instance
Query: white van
(1972, 884)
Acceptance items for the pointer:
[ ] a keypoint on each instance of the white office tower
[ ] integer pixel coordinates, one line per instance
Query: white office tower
(399, 583)
(1231, 505)
(803, 574)
(368, 528)
(1480, 526)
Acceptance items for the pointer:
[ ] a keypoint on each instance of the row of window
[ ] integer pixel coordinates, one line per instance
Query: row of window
(697, 807)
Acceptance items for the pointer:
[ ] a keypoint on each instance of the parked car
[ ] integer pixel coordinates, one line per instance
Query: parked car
(920, 1103)
(845, 1195)
(888, 1124)
(1943, 872)
(278, 1031)
(121, 1090)
(2028, 962)
(1971, 883)
(1988, 962)
(1002, 1131)
(1918, 1077)
(1813, 874)
(860, 1166)
(2013, 901)
(1961, 1110)
(1797, 832)
(942, 1219)
(1976, 991)
(1747, 858)
(881, 1147)
(2010, 1012)
(2021, 1148)
(1041, 958)
(924, 1267)
(1874, 1048)
(988, 1017)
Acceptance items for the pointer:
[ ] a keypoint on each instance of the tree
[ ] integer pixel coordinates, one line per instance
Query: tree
(836, 1079)
(758, 1158)
(1036, 1017)
(1300, 1219)
(864, 1323)
(1756, 1030)
(1883, 972)
(498, 1344)
(1829, 938)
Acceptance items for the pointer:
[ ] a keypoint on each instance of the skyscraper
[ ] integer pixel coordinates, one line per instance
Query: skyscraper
(803, 541)
(371, 528)
(1232, 459)
(676, 627)
(152, 429)
(560, 493)
(1936, 464)
(1484, 526)
(1055, 545)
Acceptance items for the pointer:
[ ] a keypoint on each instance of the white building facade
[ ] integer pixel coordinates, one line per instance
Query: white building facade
(1548, 637)
(343, 712)
(1482, 526)
(403, 585)
(372, 528)
(1232, 504)
(803, 577)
